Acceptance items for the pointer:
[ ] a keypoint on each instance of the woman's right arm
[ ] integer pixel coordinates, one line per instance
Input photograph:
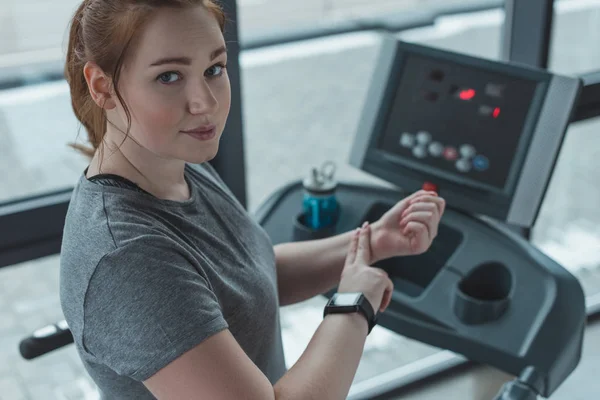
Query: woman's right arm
(218, 368)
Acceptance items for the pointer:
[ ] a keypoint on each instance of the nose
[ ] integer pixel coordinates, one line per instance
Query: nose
(202, 99)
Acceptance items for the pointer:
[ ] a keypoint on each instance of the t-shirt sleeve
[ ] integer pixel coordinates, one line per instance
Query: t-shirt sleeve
(147, 303)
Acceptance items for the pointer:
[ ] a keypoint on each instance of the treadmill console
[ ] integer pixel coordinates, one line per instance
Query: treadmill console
(486, 135)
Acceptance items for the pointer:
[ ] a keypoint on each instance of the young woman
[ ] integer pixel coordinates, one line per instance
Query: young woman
(170, 288)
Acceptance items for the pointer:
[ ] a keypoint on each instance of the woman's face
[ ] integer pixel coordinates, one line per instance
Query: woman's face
(176, 81)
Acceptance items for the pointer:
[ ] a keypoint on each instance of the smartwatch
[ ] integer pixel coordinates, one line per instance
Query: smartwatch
(350, 303)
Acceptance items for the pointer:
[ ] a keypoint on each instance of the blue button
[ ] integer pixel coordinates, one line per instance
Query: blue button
(481, 163)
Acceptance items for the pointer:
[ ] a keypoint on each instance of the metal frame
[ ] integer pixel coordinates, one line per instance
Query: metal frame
(230, 160)
(32, 228)
(527, 30)
(589, 100)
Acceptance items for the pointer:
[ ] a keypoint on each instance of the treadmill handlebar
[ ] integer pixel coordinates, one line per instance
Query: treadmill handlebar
(525, 387)
(45, 340)
(516, 390)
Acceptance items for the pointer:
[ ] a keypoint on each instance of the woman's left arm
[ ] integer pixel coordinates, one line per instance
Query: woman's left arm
(309, 268)
(306, 269)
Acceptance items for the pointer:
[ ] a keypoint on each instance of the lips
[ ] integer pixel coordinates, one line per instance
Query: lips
(201, 129)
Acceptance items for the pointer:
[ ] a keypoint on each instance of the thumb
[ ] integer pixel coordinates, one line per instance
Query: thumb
(351, 254)
(363, 253)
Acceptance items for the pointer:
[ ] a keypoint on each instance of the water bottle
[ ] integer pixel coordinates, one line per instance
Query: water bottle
(320, 205)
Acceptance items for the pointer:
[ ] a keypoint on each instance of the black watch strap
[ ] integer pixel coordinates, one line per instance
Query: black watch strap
(358, 304)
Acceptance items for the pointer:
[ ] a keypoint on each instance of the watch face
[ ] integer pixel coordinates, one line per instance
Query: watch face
(346, 299)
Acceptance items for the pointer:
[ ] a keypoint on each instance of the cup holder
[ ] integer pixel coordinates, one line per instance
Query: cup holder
(483, 295)
(303, 232)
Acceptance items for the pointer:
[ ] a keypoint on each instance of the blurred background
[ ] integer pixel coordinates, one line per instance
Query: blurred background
(288, 127)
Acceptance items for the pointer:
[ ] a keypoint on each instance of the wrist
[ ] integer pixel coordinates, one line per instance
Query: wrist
(356, 320)
(373, 242)
(352, 303)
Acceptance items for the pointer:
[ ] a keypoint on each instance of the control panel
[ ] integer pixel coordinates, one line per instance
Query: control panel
(485, 134)
(459, 120)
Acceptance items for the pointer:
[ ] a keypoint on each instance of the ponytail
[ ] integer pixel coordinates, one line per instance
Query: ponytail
(91, 116)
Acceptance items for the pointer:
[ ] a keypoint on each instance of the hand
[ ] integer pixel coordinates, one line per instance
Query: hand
(409, 227)
(358, 276)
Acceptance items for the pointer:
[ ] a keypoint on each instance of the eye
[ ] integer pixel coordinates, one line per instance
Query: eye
(168, 75)
(216, 70)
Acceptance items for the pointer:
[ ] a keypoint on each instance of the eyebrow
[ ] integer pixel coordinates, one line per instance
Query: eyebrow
(186, 60)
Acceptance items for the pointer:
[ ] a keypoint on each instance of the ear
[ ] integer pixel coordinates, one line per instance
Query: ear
(99, 85)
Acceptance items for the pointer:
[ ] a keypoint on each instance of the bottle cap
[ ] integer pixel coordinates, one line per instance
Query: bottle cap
(321, 180)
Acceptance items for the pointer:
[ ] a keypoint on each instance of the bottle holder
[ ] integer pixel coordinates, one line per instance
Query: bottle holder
(484, 295)
(302, 232)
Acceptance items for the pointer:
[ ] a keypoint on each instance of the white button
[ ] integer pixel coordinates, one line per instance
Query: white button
(467, 151)
(463, 165)
(45, 331)
(420, 152)
(63, 325)
(436, 149)
(423, 137)
(407, 140)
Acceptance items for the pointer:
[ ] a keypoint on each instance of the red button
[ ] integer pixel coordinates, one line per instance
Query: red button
(450, 153)
(430, 187)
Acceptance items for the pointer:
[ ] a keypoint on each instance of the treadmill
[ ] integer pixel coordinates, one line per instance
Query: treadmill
(485, 135)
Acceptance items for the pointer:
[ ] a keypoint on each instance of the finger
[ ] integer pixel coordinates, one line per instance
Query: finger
(351, 255)
(405, 202)
(419, 236)
(420, 193)
(420, 206)
(363, 253)
(438, 201)
(428, 217)
(387, 295)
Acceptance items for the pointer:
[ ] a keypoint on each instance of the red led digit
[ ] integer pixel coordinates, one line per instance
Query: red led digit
(466, 94)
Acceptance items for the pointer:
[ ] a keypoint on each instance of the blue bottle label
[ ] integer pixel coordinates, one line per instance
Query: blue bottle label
(320, 211)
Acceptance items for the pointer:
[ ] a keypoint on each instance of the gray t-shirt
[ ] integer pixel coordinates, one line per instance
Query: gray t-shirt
(143, 280)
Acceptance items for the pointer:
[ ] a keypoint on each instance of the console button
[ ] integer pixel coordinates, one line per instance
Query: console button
(463, 165)
(423, 137)
(407, 140)
(450, 153)
(420, 152)
(481, 163)
(430, 187)
(467, 151)
(436, 149)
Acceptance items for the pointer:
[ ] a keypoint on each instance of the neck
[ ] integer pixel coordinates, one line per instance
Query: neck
(162, 177)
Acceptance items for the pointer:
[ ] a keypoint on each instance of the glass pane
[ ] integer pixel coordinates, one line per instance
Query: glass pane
(575, 36)
(318, 120)
(28, 301)
(259, 17)
(34, 25)
(36, 124)
(478, 34)
(567, 228)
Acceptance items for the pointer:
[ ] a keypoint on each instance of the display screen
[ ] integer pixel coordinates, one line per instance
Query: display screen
(346, 299)
(464, 121)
